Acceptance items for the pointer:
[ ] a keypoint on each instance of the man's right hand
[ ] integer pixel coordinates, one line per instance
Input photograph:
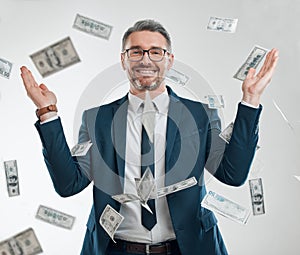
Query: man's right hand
(39, 94)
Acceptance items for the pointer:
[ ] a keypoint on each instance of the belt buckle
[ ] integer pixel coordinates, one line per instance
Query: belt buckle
(147, 249)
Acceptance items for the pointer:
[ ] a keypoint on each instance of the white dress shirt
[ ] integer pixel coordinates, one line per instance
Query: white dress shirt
(131, 228)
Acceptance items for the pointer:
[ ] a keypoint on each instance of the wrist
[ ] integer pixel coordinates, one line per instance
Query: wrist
(254, 101)
(46, 112)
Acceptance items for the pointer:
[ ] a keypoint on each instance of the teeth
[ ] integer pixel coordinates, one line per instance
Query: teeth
(145, 71)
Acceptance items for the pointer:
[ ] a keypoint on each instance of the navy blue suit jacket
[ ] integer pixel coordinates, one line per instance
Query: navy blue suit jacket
(192, 144)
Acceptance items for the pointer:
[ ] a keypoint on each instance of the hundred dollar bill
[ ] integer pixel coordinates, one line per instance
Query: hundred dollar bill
(24, 243)
(254, 58)
(92, 27)
(55, 217)
(145, 186)
(177, 77)
(110, 220)
(225, 207)
(81, 149)
(5, 68)
(227, 132)
(215, 101)
(222, 24)
(125, 198)
(55, 57)
(257, 196)
(12, 178)
(176, 187)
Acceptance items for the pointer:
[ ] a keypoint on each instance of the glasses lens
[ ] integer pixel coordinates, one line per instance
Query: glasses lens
(156, 54)
(135, 54)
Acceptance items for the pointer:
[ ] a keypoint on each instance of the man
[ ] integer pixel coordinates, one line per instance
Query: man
(185, 141)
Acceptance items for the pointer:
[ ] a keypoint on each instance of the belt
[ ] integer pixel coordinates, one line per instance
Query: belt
(140, 248)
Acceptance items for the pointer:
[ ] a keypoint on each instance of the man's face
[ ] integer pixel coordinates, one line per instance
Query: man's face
(146, 74)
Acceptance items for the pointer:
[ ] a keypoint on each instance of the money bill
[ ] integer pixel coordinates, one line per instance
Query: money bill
(145, 185)
(110, 220)
(55, 217)
(81, 149)
(177, 77)
(222, 24)
(257, 196)
(125, 198)
(225, 207)
(55, 57)
(254, 58)
(176, 187)
(215, 101)
(12, 178)
(227, 132)
(92, 27)
(24, 243)
(5, 68)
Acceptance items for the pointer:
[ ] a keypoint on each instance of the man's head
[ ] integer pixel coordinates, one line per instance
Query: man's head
(146, 56)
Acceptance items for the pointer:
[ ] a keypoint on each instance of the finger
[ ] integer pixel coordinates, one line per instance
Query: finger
(28, 78)
(267, 63)
(44, 87)
(251, 73)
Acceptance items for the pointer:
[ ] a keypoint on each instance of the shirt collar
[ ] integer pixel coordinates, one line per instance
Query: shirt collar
(161, 102)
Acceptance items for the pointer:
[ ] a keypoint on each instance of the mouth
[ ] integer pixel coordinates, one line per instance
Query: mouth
(142, 72)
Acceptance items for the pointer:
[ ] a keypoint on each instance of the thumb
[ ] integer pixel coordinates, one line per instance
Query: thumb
(44, 87)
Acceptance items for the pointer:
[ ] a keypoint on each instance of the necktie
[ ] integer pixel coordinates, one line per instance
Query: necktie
(147, 157)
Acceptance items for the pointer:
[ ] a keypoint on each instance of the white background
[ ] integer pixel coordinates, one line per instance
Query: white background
(28, 26)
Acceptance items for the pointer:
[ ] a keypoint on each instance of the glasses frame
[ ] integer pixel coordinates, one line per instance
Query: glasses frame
(144, 51)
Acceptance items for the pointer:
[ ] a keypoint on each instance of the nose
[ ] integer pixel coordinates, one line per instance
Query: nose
(146, 59)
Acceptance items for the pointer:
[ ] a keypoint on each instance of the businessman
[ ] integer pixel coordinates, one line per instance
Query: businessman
(185, 138)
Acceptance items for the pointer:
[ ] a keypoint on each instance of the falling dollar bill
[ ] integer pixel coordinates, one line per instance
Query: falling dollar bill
(225, 207)
(215, 101)
(227, 132)
(257, 196)
(24, 243)
(177, 77)
(81, 149)
(5, 68)
(56, 57)
(255, 57)
(125, 198)
(222, 24)
(145, 186)
(110, 220)
(12, 178)
(176, 187)
(55, 217)
(92, 27)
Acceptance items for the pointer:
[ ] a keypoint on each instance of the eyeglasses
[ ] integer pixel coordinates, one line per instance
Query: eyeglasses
(136, 54)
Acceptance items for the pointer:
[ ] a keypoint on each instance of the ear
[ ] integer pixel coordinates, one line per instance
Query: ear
(170, 61)
(123, 61)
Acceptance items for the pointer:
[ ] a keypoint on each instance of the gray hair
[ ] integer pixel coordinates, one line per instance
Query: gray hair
(147, 25)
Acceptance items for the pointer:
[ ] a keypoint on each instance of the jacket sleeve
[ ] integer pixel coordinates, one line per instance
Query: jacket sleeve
(230, 163)
(68, 176)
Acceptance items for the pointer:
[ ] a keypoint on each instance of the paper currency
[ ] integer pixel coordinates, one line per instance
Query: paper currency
(225, 207)
(56, 57)
(92, 27)
(177, 77)
(110, 220)
(215, 101)
(5, 68)
(12, 178)
(257, 196)
(81, 149)
(176, 187)
(222, 24)
(145, 186)
(55, 217)
(125, 198)
(227, 132)
(24, 243)
(254, 58)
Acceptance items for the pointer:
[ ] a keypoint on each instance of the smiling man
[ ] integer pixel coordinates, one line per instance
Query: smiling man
(186, 140)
